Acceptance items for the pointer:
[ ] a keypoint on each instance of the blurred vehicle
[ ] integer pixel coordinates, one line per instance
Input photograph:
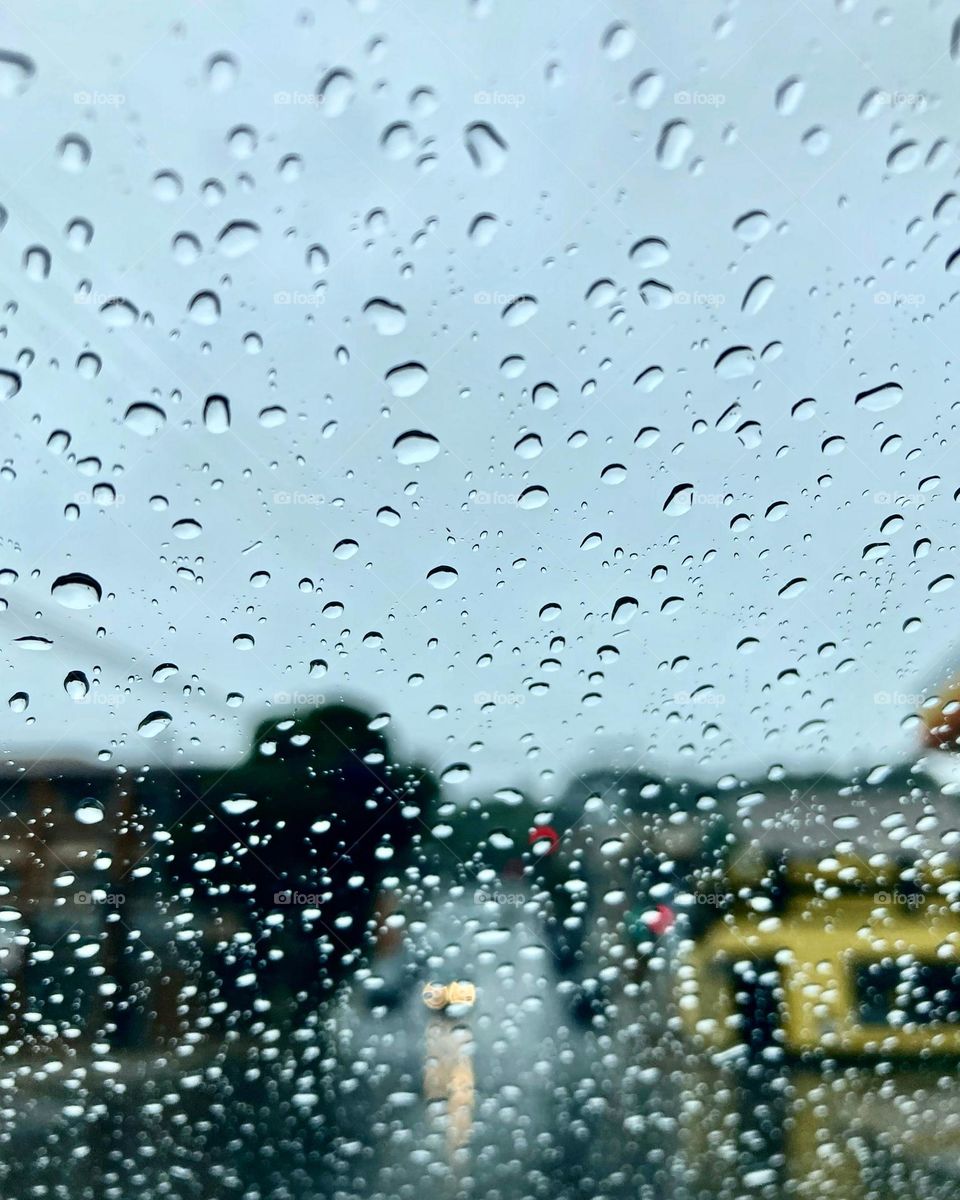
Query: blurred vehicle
(840, 930)
(629, 844)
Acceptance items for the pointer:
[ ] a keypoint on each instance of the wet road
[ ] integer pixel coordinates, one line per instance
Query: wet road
(511, 1098)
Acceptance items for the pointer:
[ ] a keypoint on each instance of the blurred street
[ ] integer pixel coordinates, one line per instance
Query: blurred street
(544, 1108)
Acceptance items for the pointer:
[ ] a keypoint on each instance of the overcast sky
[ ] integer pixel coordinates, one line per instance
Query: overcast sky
(772, 540)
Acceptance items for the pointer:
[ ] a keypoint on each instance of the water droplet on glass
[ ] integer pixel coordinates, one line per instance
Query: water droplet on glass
(16, 73)
(676, 138)
(76, 591)
(879, 399)
(406, 380)
(73, 152)
(145, 419)
(204, 308)
(415, 447)
(335, 92)
(238, 238)
(216, 414)
(487, 149)
(442, 577)
(154, 723)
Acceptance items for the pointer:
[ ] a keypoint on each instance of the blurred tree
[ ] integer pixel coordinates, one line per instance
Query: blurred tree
(297, 839)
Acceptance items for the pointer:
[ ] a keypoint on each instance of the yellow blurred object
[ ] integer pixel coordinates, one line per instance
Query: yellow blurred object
(941, 715)
(833, 972)
(438, 995)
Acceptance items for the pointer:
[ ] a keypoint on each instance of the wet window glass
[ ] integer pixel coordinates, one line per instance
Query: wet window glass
(479, 543)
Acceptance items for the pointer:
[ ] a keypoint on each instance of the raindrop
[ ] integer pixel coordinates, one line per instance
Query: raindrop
(646, 89)
(76, 591)
(757, 295)
(415, 447)
(216, 414)
(335, 92)
(520, 310)
(624, 610)
(204, 308)
(386, 318)
(154, 723)
(533, 497)
(145, 419)
(442, 577)
(618, 40)
(222, 71)
(16, 73)
(676, 137)
(187, 529)
(752, 226)
(73, 152)
(679, 501)
(406, 380)
(238, 238)
(487, 149)
(76, 685)
(789, 95)
(118, 313)
(483, 229)
(10, 384)
(735, 363)
(880, 398)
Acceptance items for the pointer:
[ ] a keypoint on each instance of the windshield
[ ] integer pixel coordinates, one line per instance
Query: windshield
(478, 551)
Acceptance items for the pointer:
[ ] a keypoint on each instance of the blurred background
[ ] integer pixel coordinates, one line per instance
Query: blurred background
(476, 579)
